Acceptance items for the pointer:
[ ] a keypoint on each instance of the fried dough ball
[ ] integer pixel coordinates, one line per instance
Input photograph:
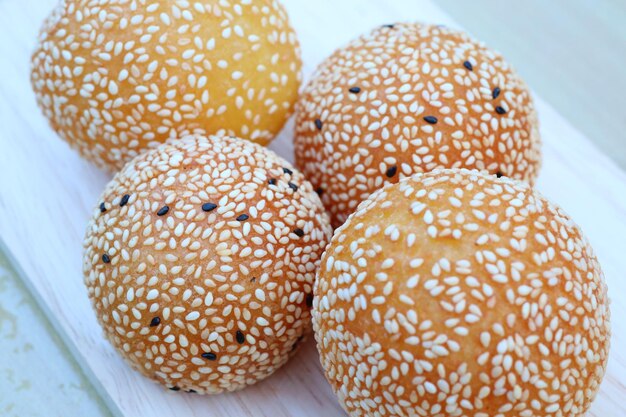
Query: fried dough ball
(409, 98)
(200, 261)
(115, 78)
(456, 293)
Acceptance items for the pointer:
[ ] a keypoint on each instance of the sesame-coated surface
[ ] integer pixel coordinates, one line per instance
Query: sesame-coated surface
(201, 260)
(116, 77)
(455, 293)
(409, 98)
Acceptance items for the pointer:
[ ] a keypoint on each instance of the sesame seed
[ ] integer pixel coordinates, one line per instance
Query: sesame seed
(175, 388)
(105, 258)
(318, 124)
(499, 174)
(209, 207)
(319, 191)
(468, 65)
(163, 211)
(155, 321)
(242, 217)
(296, 343)
(355, 90)
(240, 337)
(124, 200)
(495, 93)
(272, 181)
(309, 300)
(500, 110)
(430, 119)
(388, 26)
(299, 232)
(391, 171)
(293, 186)
(287, 171)
(102, 207)
(209, 355)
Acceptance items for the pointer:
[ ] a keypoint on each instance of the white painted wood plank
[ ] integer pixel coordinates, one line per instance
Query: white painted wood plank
(47, 191)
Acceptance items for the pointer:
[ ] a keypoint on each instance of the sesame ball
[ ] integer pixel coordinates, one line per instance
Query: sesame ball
(406, 99)
(456, 293)
(200, 259)
(114, 78)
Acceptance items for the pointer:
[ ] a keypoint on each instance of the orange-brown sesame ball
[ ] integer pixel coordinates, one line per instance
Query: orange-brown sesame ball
(409, 98)
(200, 261)
(455, 293)
(116, 77)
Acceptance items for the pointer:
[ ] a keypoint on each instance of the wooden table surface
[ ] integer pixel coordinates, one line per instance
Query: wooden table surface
(544, 41)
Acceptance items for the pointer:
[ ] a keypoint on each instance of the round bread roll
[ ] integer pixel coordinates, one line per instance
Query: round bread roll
(455, 293)
(406, 99)
(200, 261)
(114, 78)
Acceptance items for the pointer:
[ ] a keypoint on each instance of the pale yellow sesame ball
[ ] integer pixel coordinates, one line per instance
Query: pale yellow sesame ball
(116, 77)
(455, 293)
(200, 260)
(409, 98)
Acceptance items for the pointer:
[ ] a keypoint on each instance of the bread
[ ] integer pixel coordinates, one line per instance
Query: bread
(115, 78)
(409, 98)
(200, 260)
(457, 293)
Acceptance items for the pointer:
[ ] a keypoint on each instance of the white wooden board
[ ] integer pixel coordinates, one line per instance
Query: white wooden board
(47, 192)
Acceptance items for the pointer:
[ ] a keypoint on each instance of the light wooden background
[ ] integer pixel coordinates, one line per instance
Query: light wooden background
(46, 193)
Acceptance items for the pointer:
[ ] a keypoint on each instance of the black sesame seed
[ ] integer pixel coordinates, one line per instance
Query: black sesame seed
(102, 207)
(192, 391)
(389, 26)
(240, 337)
(287, 171)
(318, 124)
(155, 321)
(242, 217)
(355, 90)
(299, 232)
(495, 93)
(499, 174)
(208, 206)
(124, 200)
(293, 186)
(468, 65)
(500, 110)
(431, 119)
(253, 279)
(319, 191)
(106, 258)
(163, 211)
(209, 355)
(296, 343)
(391, 171)
(272, 181)
(175, 388)
(309, 300)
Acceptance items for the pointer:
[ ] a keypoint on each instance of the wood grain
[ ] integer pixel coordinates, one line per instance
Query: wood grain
(47, 192)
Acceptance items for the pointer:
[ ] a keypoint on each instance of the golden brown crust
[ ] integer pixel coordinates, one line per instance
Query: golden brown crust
(114, 78)
(202, 277)
(455, 293)
(407, 99)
